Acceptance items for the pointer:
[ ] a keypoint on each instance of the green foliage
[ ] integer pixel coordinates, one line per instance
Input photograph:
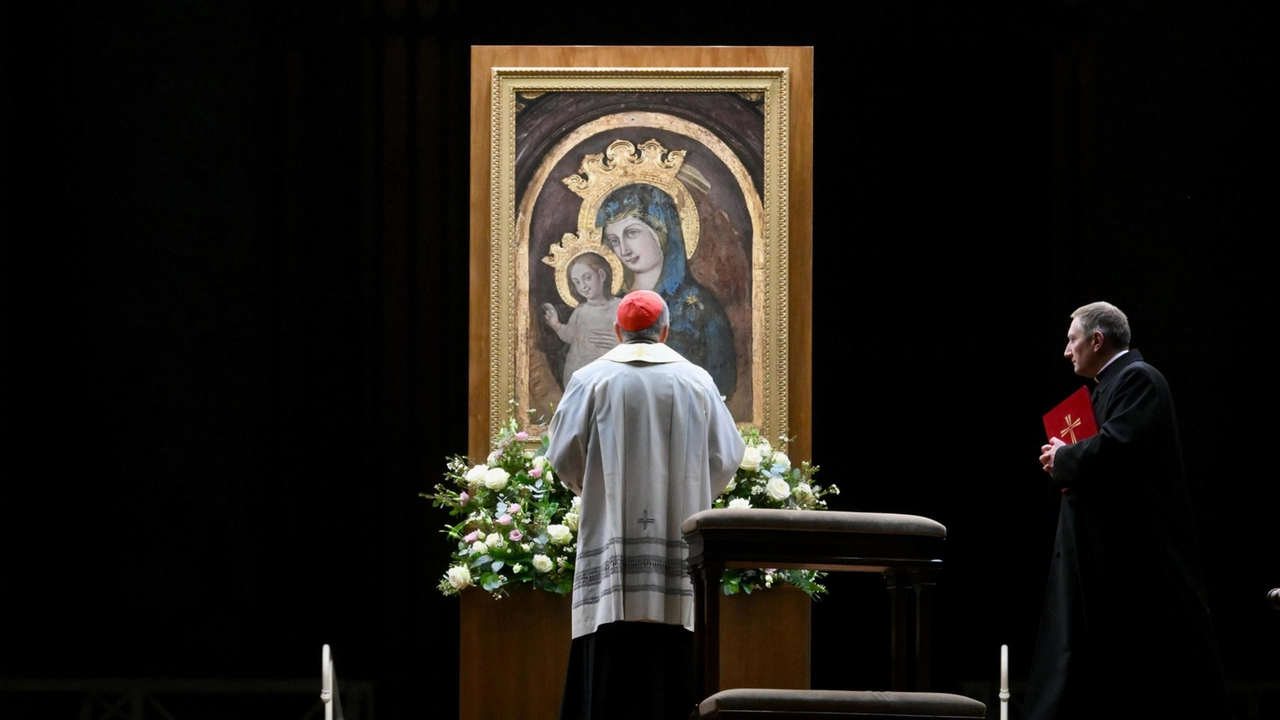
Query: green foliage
(767, 479)
(505, 506)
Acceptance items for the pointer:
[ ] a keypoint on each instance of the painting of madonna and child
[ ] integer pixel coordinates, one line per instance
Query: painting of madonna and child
(638, 191)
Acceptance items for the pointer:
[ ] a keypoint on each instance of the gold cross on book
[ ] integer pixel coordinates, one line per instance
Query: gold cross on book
(1071, 428)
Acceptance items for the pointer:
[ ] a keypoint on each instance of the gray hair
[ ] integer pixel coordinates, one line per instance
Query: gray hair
(653, 333)
(1107, 319)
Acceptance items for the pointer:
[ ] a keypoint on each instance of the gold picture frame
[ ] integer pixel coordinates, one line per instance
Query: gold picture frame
(711, 150)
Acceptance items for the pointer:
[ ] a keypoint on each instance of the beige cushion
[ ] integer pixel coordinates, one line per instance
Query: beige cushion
(844, 702)
(812, 521)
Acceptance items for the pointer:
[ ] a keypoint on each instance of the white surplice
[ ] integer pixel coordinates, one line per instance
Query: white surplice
(644, 438)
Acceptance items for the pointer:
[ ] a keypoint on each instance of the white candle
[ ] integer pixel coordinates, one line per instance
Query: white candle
(1004, 667)
(1004, 682)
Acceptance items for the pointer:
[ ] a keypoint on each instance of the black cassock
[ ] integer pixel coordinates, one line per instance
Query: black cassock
(1126, 630)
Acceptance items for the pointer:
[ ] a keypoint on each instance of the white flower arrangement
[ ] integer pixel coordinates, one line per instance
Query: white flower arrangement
(766, 479)
(513, 527)
(519, 525)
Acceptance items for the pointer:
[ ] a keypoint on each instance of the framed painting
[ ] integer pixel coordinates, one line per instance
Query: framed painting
(597, 172)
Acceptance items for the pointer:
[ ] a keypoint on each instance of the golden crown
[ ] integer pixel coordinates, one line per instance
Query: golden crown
(622, 163)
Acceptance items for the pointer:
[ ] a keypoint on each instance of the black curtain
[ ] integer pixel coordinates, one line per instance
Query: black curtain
(235, 275)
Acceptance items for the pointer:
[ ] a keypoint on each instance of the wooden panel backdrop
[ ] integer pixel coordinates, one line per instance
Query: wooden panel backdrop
(753, 624)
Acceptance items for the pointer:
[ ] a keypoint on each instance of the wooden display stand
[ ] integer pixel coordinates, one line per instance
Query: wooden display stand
(514, 650)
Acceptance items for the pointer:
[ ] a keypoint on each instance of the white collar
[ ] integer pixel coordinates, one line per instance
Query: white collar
(643, 352)
(1113, 359)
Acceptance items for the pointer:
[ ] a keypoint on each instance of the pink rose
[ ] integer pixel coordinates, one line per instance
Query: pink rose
(463, 497)
(514, 508)
(522, 436)
(505, 519)
(535, 473)
(471, 537)
(516, 536)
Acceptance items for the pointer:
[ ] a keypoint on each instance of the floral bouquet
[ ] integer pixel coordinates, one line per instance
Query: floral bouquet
(517, 523)
(766, 479)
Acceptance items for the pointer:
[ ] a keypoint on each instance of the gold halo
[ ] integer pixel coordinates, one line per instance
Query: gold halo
(570, 248)
(622, 163)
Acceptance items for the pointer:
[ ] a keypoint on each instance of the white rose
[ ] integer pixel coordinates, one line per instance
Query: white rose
(459, 576)
(778, 489)
(476, 474)
(560, 534)
(496, 478)
(479, 548)
(541, 563)
(540, 462)
(781, 458)
(494, 540)
(740, 503)
(527, 547)
(571, 520)
(732, 484)
(750, 459)
(765, 447)
(517, 568)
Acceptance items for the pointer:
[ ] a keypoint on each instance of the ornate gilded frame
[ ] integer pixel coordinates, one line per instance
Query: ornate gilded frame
(504, 248)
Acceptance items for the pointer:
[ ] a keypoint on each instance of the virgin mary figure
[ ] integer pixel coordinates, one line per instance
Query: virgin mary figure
(641, 225)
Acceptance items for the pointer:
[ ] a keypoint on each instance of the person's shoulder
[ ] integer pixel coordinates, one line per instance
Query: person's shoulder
(1138, 364)
(1138, 372)
(590, 374)
(695, 374)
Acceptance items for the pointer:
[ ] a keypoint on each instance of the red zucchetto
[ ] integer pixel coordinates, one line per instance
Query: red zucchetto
(639, 309)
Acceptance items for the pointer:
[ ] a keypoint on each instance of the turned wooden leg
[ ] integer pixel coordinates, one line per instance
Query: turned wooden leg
(900, 634)
(925, 588)
(706, 626)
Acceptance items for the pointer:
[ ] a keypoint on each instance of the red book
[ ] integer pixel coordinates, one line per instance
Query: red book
(1072, 420)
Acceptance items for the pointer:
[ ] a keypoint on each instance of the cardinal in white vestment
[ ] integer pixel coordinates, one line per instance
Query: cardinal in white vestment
(643, 436)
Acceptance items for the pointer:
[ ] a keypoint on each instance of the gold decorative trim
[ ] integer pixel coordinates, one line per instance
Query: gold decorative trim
(508, 266)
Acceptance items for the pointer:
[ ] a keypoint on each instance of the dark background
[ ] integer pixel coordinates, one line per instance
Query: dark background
(235, 247)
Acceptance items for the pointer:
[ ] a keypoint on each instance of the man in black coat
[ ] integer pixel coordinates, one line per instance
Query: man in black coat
(1126, 630)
